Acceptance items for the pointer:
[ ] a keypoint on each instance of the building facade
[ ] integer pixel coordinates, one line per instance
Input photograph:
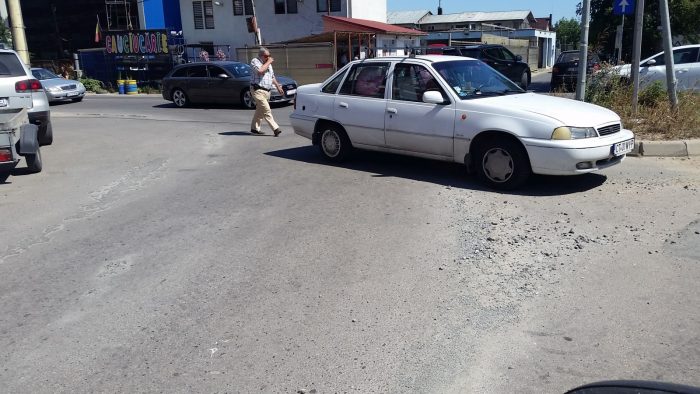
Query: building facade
(221, 24)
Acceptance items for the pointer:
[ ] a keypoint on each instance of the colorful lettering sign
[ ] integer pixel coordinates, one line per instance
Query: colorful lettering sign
(142, 42)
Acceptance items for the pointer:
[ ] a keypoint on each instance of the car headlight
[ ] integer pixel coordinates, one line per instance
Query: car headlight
(81, 86)
(573, 133)
(54, 89)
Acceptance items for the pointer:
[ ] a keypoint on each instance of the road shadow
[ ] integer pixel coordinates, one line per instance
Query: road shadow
(382, 165)
(244, 134)
(3, 178)
(170, 105)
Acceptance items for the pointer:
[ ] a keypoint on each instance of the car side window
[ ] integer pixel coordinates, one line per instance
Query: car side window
(215, 71)
(660, 61)
(493, 53)
(179, 73)
(367, 80)
(473, 53)
(411, 81)
(506, 54)
(332, 86)
(685, 56)
(197, 72)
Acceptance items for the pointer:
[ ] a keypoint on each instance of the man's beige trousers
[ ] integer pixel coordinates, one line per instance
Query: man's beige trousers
(262, 110)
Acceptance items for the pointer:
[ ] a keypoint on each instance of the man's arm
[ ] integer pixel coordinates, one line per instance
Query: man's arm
(263, 69)
(278, 86)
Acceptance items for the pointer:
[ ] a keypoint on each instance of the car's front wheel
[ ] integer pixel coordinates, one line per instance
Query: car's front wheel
(524, 80)
(247, 99)
(333, 143)
(502, 163)
(180, 98)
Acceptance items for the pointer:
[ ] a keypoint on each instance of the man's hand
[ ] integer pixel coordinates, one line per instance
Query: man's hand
(270, 59)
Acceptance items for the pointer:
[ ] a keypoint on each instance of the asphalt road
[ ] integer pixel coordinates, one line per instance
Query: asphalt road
(167, 250)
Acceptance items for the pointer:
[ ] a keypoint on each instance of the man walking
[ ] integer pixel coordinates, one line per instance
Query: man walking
(261, 82)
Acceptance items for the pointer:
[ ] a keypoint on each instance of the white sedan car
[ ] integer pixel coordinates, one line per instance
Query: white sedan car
(459, 110)
(686, 60)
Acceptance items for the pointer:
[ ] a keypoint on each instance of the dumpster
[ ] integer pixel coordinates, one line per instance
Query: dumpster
(18, 138)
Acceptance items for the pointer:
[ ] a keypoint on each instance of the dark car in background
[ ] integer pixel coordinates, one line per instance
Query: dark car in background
(222, 82)
(565, 70)
(498, 57)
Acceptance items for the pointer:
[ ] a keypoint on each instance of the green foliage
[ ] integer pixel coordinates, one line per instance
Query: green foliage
(5, 33)
(93, 85)
(568, 32)
(653, 95)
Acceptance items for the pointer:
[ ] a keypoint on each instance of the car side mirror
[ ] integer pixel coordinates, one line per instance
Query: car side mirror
(518, 58)
(223, 76)
(650, 63)
(433, 97)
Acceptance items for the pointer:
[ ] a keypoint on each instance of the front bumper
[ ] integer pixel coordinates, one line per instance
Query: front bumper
(551, 157)
(65, 95)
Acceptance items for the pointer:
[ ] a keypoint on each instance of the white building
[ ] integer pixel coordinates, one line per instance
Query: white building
(222, 23)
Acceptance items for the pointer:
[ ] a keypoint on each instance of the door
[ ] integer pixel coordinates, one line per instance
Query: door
(411, 124)
(221, 90)
(494, 57)
(360, 103)
(198, 83)
(687, 68)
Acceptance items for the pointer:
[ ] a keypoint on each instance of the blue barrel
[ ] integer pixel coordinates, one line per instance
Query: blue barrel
(131, 87)
(120, 86)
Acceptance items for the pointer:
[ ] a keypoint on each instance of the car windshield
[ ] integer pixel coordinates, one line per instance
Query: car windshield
(42, 74)
(472, 79)
(238, 69)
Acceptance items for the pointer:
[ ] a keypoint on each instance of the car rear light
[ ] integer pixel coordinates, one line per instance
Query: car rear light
(29, 85)
(555, 70)
(5, 154)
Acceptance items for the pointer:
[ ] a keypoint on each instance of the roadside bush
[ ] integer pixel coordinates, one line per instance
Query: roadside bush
(93, 85)
(655, 120)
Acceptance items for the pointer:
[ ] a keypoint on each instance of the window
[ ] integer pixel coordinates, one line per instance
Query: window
(508, 55)
(686, 55)
(332, 86)
(292, 6)
(238, 69)
(179, 73)
(411, 81)
(322, 5)
(199, 71)
(203, 12)
(241, 7)
(215, 71)
(279, 7)
(493, 53)
(10, 66)
(368, 80)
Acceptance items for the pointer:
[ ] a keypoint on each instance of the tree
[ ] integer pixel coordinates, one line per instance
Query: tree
(684, 21)
(568, 33)
(5, 33)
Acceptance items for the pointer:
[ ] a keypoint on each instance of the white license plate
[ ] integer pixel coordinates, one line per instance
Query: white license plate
(4, 102)
(291, 92)
(622, 148)
(573, 69)
(71, 94)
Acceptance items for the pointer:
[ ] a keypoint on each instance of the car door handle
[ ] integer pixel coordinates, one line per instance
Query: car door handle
(343, 105)
(392, 110)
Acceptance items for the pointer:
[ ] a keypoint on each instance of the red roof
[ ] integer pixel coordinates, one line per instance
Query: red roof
(542, 23)
(339, 23)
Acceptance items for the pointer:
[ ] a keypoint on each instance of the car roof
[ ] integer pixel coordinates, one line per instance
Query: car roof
(422, 58)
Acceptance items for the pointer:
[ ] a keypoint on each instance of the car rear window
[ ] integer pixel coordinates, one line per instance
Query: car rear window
(568, 57)
(471, 53)
(10, 66)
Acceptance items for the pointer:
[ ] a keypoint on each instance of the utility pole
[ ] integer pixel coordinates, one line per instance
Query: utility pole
(258, 35)
(668, 53)
(18, 37)
(637, 53)
(583, 50)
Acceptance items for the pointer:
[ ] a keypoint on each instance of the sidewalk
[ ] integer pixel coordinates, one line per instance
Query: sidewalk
(681, 148)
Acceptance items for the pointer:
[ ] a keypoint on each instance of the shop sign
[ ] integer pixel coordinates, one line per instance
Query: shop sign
(137, 42)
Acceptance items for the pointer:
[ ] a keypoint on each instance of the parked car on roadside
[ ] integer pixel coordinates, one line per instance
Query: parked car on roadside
(687, 68)
(220, 82)
(458, 110)
(498, 57)
(19, 89)
(59, 88)
(565, 70)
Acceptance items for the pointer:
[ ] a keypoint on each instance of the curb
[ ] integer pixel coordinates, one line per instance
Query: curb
(682, 148)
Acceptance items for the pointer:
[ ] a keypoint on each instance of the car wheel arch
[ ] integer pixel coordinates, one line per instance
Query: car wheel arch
(485, 136)
(318, 128)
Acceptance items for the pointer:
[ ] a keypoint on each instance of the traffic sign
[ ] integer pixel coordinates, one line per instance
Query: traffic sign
(623, 7)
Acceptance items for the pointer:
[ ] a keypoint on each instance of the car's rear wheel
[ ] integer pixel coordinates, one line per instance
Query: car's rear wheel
(502, 163)
(333, 143)
(180, 98)
(247, 99)
(34, 163)
(45, 136)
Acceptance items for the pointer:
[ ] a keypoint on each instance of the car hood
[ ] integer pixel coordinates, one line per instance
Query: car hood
(57, 82)
(285, 80)
(569, 112)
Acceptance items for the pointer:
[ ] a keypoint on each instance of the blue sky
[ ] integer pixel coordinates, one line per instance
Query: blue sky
(558, 8)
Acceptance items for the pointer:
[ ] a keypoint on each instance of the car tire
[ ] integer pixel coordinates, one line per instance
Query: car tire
(502, 163)
(524, 80)
(45, 136)
(247, 100)
(333, 143)
(77, 100)
(34, 163)
(180, 98)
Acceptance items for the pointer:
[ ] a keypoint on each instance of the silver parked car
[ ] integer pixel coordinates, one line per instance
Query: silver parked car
(58, 88)
(222, 82)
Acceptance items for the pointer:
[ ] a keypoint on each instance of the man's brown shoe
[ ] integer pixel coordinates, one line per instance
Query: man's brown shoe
(277, 132)
(257, 132)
